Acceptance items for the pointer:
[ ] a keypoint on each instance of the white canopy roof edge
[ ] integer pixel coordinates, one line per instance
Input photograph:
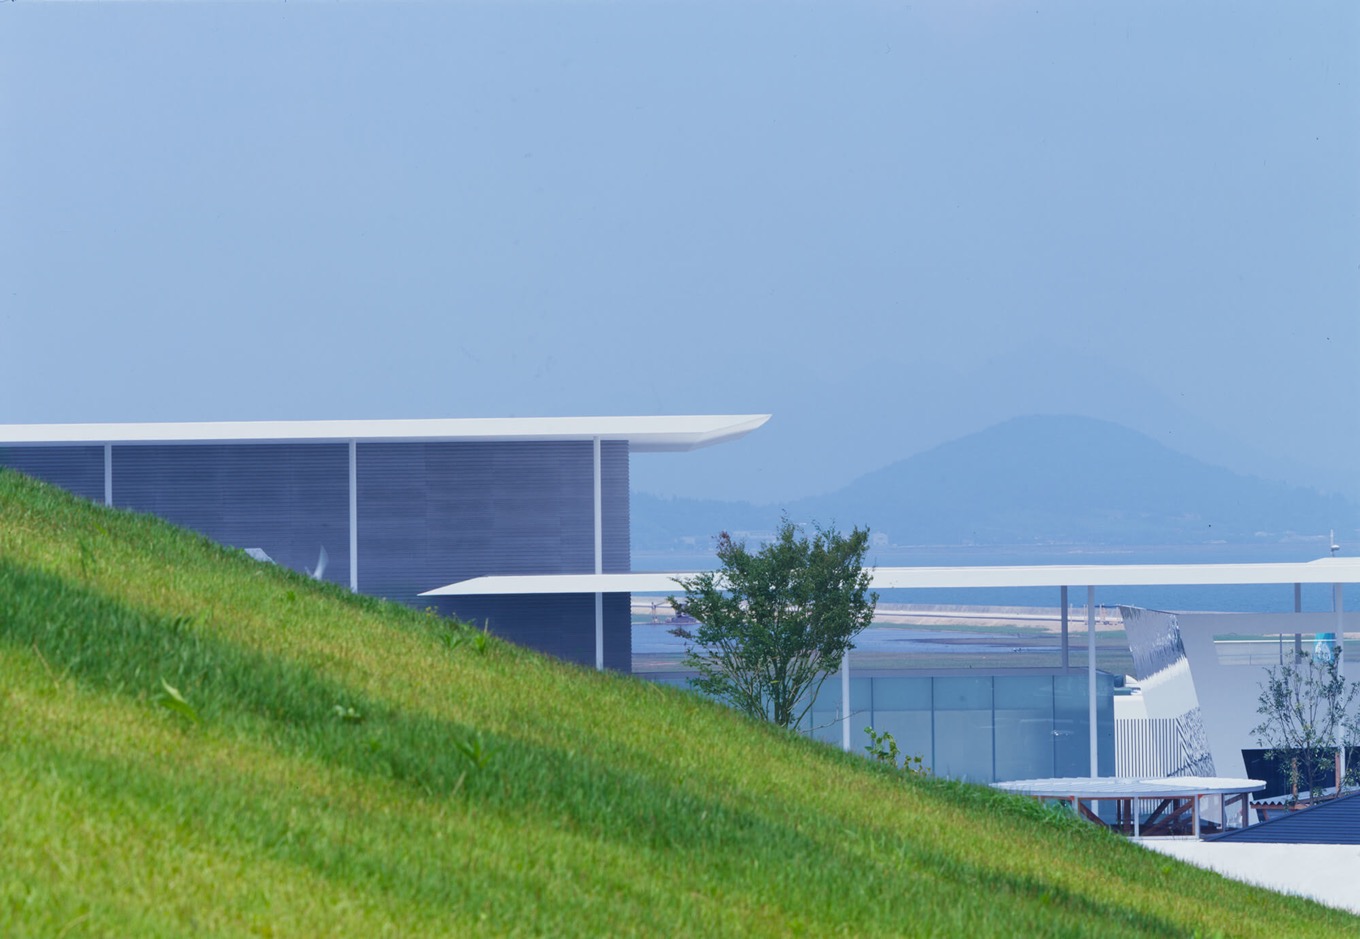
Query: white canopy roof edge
(1321, 571)
(1112, 787)
(523, 584)
(644, 434)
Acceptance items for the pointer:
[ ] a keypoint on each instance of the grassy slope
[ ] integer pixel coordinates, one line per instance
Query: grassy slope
(607, 805)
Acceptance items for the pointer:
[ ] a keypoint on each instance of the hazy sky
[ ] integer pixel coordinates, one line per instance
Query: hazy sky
(887, 224)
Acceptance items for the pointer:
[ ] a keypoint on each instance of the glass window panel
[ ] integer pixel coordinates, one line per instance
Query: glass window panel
(827, 701)
(1024, 743)
(901, 694)
(963, 744)
(825, 726)
(911, 730)
(1024, 691)
(1104, 724)
(1069, 691)
(861, 694)
(963, 693)
(1071, 734)
(829, 695)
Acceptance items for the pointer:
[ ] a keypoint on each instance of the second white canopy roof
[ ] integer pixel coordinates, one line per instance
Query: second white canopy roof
(1321, 571)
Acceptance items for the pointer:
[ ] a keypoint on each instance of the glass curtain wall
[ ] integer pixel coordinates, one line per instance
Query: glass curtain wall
(982, 728)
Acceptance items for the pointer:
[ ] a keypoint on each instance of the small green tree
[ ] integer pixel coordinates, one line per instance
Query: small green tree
(1307, 705)
(771, 625)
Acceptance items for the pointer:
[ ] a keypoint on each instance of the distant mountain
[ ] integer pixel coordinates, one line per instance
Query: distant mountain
(1029, 480)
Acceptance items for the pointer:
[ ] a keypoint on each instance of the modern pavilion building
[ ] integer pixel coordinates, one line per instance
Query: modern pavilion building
(397, 508)
(523, 524)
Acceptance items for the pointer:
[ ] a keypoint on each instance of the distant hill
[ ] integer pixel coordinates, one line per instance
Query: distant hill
(1030, 480)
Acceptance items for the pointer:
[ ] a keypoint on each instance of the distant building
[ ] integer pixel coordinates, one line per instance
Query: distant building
(396, 508)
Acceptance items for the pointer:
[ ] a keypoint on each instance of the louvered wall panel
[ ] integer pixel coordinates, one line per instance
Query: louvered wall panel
(429, 514)
(618, 557)
(78, 469)
(434, 513)
(291, 500)
(558, 624)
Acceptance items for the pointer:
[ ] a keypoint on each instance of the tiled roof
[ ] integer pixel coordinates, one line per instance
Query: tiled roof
(1334, 822)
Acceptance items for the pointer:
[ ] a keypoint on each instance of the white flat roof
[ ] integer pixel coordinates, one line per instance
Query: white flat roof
(1322, 571)
(644, 434)
(520, 584)
(1114, 787)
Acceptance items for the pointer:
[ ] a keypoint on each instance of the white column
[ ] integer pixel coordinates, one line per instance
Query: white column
(845, 702)
(1091, 674)
(599, 558)
(354, 516)
(108, 474)
(1298, 608)
(1062, 598)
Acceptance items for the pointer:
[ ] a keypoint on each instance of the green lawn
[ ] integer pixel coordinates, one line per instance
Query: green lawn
(343, 767)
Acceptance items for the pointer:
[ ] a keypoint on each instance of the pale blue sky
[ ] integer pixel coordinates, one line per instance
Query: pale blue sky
(887, 224)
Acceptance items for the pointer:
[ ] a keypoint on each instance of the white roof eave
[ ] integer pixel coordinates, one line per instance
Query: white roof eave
(1321, 571)
(644, 433)
(526, 584)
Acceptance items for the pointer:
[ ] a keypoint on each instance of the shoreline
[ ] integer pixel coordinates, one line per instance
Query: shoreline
(917, 615)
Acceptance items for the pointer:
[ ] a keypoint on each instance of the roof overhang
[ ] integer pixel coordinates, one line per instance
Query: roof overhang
(1113, 787)
(529, 584)
(1321, 571)
(644, 434)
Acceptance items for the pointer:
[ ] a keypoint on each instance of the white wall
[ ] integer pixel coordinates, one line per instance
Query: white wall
(1228, 693)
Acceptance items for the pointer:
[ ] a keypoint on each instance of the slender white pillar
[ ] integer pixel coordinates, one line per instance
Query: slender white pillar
(1065, 649)
(1298, 608)
(354, 516)
(108, 474)
(599, 557)
(845, 702)
(1091, 675)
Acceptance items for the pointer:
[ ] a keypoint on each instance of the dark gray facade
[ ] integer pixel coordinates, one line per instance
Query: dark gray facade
(291, 500)
(79, 469)
(427, 513)
(558, 624)
(434, 513)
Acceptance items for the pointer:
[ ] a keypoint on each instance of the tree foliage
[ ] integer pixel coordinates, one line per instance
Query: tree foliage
(771, 625)
(1307, 706)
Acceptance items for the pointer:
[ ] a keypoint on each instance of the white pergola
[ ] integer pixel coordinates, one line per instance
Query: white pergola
(1331, 570)
(1177, 795)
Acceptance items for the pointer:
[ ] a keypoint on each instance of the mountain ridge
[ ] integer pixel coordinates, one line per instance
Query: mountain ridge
(1041, 479)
